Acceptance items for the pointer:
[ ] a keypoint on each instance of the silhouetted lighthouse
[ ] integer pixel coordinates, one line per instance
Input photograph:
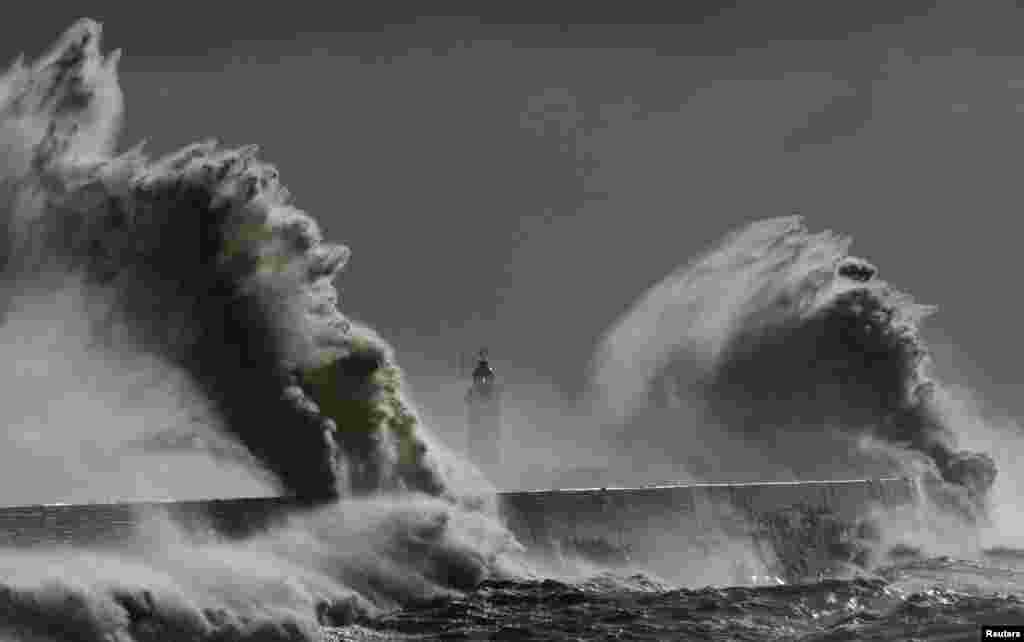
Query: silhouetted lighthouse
(483, 401)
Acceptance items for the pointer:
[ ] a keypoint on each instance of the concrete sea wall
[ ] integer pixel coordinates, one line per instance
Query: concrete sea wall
(107, 525)
(802, 527)
(796, 529)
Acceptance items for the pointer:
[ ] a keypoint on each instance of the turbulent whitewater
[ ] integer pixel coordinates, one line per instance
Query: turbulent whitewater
(199, 258)
(777, 340)
(195, 265)
(775, 355)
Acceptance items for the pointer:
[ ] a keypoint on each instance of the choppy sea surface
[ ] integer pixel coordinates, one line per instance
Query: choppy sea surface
(915, 598)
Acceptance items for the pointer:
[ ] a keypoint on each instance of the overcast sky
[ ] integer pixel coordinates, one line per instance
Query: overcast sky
(517, 181)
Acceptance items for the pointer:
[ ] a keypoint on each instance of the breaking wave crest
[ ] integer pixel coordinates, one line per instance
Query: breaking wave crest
(778, 355)
(199, 260)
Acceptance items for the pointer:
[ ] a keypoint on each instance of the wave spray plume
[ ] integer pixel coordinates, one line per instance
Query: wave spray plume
(793, 359)
(199, 261)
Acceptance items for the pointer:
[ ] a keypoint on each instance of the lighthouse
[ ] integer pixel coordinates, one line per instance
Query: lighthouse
(483, 404)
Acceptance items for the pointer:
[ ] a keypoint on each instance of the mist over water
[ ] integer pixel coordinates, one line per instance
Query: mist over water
(84, 425)
(776, 355)
(172, 329)
(198, 258)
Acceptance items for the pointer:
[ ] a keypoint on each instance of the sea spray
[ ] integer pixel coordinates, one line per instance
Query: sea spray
(198, 257)
(195, 266)
(778, 355)
(332, 566)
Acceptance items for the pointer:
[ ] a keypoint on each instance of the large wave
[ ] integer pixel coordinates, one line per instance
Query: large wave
(198, 261)
(776, 354)
(200, 258)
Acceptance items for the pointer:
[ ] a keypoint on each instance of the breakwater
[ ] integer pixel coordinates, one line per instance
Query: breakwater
(799, 529)
(802, 527)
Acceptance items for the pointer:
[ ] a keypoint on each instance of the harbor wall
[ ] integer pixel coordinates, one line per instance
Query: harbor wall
(801, 527)
(791, 529)
(108, 525)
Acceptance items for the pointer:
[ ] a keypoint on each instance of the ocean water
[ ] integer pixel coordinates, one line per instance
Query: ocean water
(196, 266)
(916, 598)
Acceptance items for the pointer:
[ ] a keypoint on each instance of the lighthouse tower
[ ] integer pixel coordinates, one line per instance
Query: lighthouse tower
(483, 401)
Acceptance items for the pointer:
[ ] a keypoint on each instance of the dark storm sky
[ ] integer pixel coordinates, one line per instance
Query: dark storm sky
(519, 180)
